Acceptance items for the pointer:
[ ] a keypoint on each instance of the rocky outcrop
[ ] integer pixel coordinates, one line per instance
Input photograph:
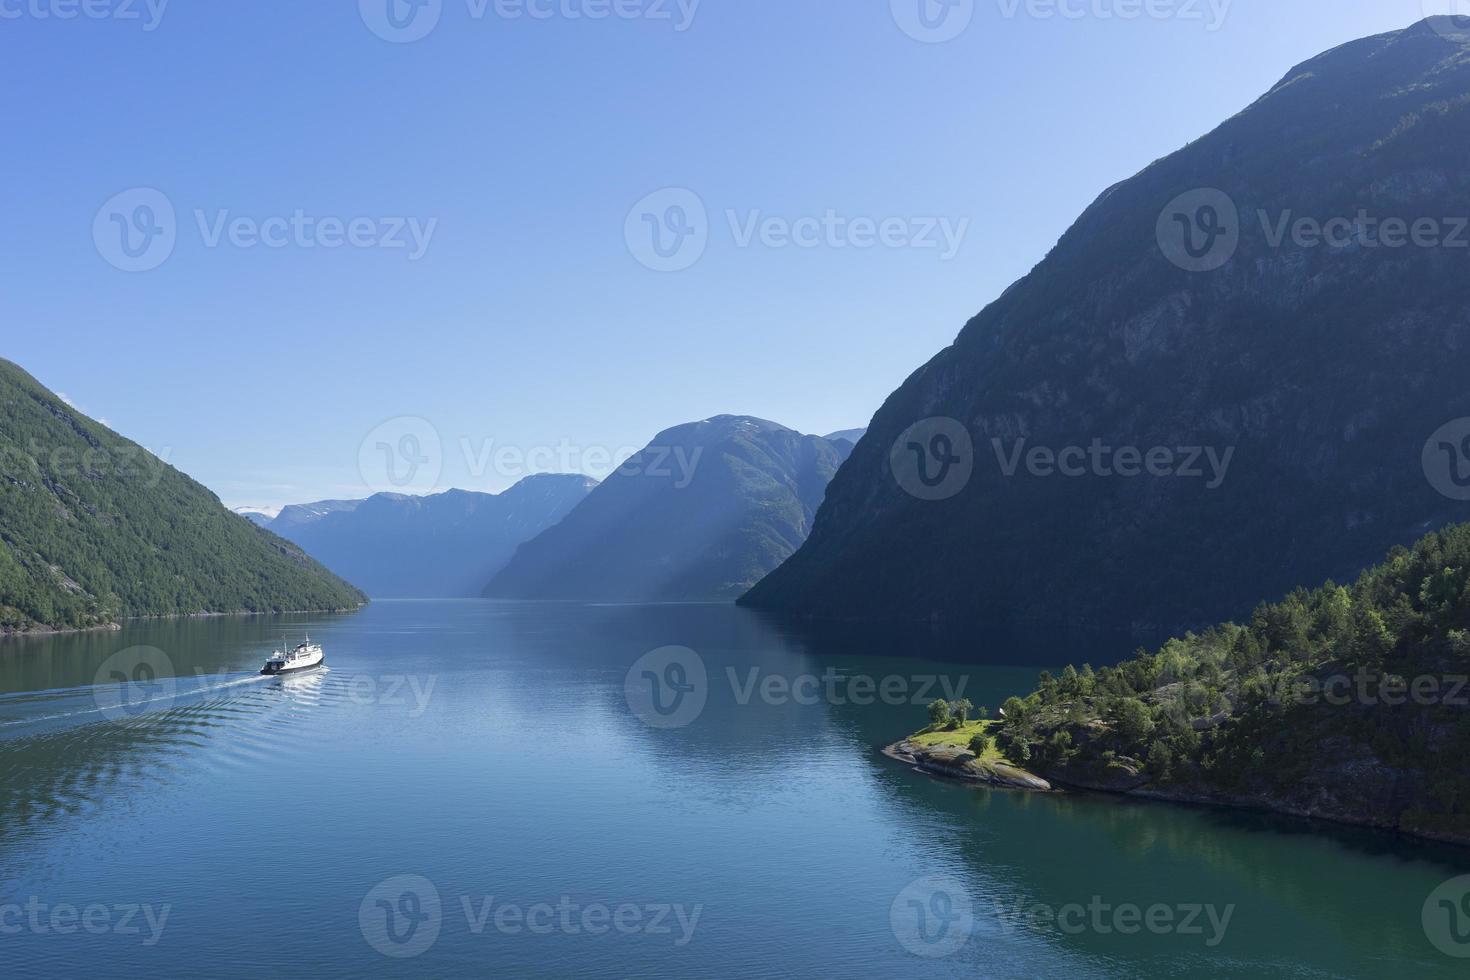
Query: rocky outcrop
(958, 763)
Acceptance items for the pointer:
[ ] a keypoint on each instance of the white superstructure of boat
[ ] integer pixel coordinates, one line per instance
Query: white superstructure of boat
(304, 656)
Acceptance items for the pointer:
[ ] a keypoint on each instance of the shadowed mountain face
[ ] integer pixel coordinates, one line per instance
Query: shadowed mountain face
(1193, 403)
(94, 529)
(444, 546)
(702, 513)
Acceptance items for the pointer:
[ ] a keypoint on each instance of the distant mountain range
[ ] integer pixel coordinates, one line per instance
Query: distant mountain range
(1053, 467)
(300, 515)
(846, 435)
(94, 529)
(702, 513)
(256, 516)
(443, 546)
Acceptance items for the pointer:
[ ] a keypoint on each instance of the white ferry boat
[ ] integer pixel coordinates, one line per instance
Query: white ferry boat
(304, 656)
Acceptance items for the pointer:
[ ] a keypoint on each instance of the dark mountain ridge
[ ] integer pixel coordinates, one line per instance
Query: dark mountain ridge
(1321, 369)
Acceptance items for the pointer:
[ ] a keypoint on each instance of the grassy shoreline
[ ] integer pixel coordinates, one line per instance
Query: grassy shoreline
(945, 751)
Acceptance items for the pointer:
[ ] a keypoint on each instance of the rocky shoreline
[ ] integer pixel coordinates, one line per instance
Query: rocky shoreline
(958, 763)
(953, 762)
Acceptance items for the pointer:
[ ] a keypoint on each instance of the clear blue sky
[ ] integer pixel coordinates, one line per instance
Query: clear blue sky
(528, 320)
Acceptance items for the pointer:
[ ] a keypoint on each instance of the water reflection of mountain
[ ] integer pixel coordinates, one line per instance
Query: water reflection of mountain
(1011, 643)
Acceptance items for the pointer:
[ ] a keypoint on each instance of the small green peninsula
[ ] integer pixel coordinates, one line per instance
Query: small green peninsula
(1343, 703)
(955, 746)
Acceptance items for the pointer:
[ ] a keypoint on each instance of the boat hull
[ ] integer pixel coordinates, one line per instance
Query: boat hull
(293, 669)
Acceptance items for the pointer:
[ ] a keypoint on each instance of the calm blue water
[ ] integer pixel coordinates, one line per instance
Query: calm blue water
(477, 768)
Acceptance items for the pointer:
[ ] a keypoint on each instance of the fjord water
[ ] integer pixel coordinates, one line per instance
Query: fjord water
(488, 750)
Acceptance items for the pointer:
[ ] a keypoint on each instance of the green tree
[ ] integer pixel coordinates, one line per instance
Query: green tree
(1131, 720)
(939, 713)
(1160, 761)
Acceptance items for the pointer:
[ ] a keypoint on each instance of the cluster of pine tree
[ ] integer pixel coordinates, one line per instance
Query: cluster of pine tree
(1378, 668)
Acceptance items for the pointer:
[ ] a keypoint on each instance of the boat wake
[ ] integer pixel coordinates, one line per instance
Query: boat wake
(116, 702)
